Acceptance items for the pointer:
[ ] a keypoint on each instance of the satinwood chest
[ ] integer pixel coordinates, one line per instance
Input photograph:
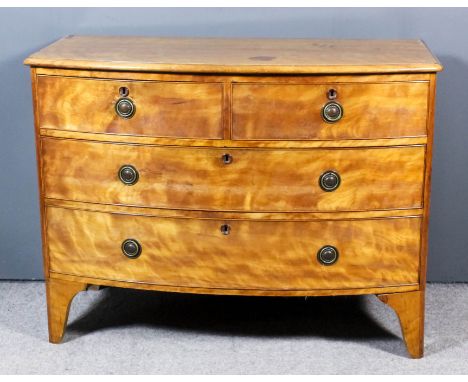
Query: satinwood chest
(243, 167)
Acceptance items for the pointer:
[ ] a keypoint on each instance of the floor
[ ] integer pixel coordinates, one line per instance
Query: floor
(118, 331)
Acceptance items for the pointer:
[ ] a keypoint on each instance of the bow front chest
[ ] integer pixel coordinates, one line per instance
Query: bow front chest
(242, 167)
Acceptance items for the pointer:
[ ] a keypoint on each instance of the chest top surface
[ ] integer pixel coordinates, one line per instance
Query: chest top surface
(214, 55)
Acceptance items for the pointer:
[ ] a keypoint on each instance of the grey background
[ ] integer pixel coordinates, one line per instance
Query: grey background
(24, 31)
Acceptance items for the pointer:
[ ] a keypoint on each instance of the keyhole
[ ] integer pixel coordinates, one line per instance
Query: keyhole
(332, 94)
(225, 229)
(123, 91)
(227, 158)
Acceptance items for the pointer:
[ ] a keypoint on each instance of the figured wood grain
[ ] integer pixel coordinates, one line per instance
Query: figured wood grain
(60, 294)
(293, 111)
(256, 180)
(233, 292)
(192, 252)
(193, 92)
(427, 183)
(233, 215)
(37, 140)
(289, 144)
(409, 308)
(170, 109)
(202, 55)
(220, 77)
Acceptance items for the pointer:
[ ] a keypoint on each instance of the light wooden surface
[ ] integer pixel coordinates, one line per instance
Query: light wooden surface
(235, 292)
(184, 108)
(233, 215)
(260, 101)
(171, 109)
(293, 111)
(427, 184)
(235, 77)
(409, 308)
(60, 294)
(211, 55)
(256, 180)
(37, 140)
(192, 252)
(188, 142)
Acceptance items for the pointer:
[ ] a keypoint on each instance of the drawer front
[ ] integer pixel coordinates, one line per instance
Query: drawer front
(254, 255)
(255, 180)
(291, 111)
(162, 109)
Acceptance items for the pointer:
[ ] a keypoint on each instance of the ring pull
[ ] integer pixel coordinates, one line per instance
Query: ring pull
(329, 181)
(131, 248)
(327, 255)
(332, 112)
(125, 108)
(128, 175)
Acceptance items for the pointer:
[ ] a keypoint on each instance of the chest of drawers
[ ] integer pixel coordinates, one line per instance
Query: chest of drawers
(246, 167)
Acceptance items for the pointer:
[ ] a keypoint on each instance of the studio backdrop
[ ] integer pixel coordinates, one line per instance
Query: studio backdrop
(27, 30)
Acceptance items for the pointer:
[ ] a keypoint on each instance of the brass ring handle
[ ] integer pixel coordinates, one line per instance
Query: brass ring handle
(131, 248)
(327, 255)
(128, 175)
(332, 112)
(125, 108)
(329, 181)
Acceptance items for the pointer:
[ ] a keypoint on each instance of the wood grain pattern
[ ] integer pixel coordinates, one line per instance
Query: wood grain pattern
(293, 111)
(202, 55)
(256, 180)
(259, 100)
(234, 292)
(427, 184)
(60, 293)
(37, 140)
(235, 78)
(171, 109)
(189, 252)
(409, 308)
(289, 144)
(234, 215)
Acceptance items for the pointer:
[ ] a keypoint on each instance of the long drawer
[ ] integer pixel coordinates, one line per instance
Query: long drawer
(234, 179)
(161, 109)
(294, 111)
(246, 255)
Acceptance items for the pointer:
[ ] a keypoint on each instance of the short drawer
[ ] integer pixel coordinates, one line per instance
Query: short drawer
(234, 179)
(295, 111)
(160, 109)
(253, 255)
